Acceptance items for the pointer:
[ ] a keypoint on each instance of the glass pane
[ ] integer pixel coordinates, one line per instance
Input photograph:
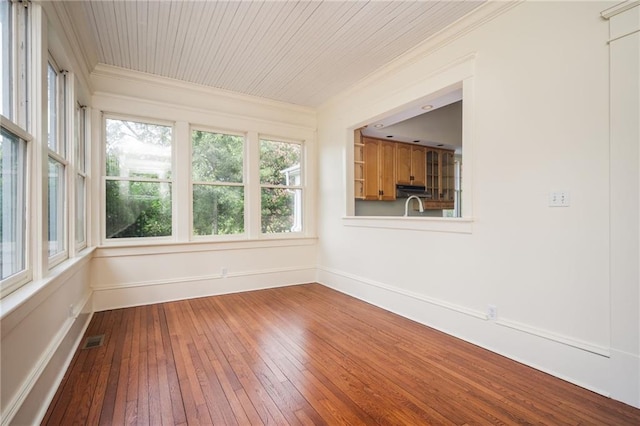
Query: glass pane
(281, 210)
(52, 117)
(7, 69)
(81, 207)
(217, 157)
(138, 209)
(218, 210)
(12, 198)
(279, 163)
(56, 207)
(80, 139)
(138, 149)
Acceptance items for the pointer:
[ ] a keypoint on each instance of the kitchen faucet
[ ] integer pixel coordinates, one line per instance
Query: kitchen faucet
(406, 205)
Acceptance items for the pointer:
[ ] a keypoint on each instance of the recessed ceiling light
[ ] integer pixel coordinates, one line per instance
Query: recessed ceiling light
(427, 107)
(378, 126)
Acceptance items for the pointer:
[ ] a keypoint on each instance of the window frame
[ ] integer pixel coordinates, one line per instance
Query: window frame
(10, 69)
(59, 154)
(104, 178)
(80, 167)
(244, 184)
(302, 187)
(16, 122)
(23, 276)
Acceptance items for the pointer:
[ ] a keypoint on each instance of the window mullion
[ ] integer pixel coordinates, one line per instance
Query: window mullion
(138, 179)
(181, 186)
(59, 158)
(252, 188)
(216, 183)
(38, 59)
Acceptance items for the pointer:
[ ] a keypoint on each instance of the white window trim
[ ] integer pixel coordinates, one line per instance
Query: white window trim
(18, 125)
(61, 155)
(304, 232)
(245, 160)
(17, 280)
(134, 241)
(80, 119)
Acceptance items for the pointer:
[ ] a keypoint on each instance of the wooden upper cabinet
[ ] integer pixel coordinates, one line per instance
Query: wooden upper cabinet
(379, 169)
(387, 171)
(440, 178)
(447, 179)
(418, 165)
(403, 164)
(371, 170)
(358, 165)
(433, 173)
(379, 165)
(410, 164)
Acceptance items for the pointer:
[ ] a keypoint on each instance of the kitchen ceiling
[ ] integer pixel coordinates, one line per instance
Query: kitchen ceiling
(301, 52)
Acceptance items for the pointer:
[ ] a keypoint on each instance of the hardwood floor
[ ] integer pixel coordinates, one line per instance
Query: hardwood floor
(303, 355)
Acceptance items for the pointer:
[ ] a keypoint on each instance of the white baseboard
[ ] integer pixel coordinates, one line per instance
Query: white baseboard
(584, 364)
(158, 291)
(624, 368)
(31, 402)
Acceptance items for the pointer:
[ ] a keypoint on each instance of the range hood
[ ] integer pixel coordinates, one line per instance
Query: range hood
(404, 191)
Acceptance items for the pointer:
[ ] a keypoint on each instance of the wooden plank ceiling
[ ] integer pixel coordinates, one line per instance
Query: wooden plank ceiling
(301, 52)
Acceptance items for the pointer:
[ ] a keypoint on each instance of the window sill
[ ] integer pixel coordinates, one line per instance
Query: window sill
(412, 223)
(142, 249)
(34, 288)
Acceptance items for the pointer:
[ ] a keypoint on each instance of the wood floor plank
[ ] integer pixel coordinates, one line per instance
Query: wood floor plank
(66, 390)
(110, 330)
(304, 355)
(167, 369)
(120, 398)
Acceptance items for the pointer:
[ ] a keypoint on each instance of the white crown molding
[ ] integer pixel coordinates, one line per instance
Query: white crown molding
(619, 8)
(109, 71)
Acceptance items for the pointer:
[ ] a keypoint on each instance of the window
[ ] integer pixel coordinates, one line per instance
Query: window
(281, 186)
(57, 164)
(15, 267)
(81, 178)
(138, 179)
(13, 49)
(13, 197)
(217, 165)
(7, 63)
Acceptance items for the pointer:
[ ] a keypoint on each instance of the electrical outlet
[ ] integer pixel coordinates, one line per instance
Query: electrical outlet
(492, 312)
(559, 199)
(224, 272)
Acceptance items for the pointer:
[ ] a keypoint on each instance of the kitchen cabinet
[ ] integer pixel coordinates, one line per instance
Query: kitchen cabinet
(440, 178)
(379, 170)
(410, 164)
(358, 166)
(379, 165)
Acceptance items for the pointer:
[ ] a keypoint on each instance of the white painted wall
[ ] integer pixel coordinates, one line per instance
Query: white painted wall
(539, 122)
(124, 277)
(39, 337)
